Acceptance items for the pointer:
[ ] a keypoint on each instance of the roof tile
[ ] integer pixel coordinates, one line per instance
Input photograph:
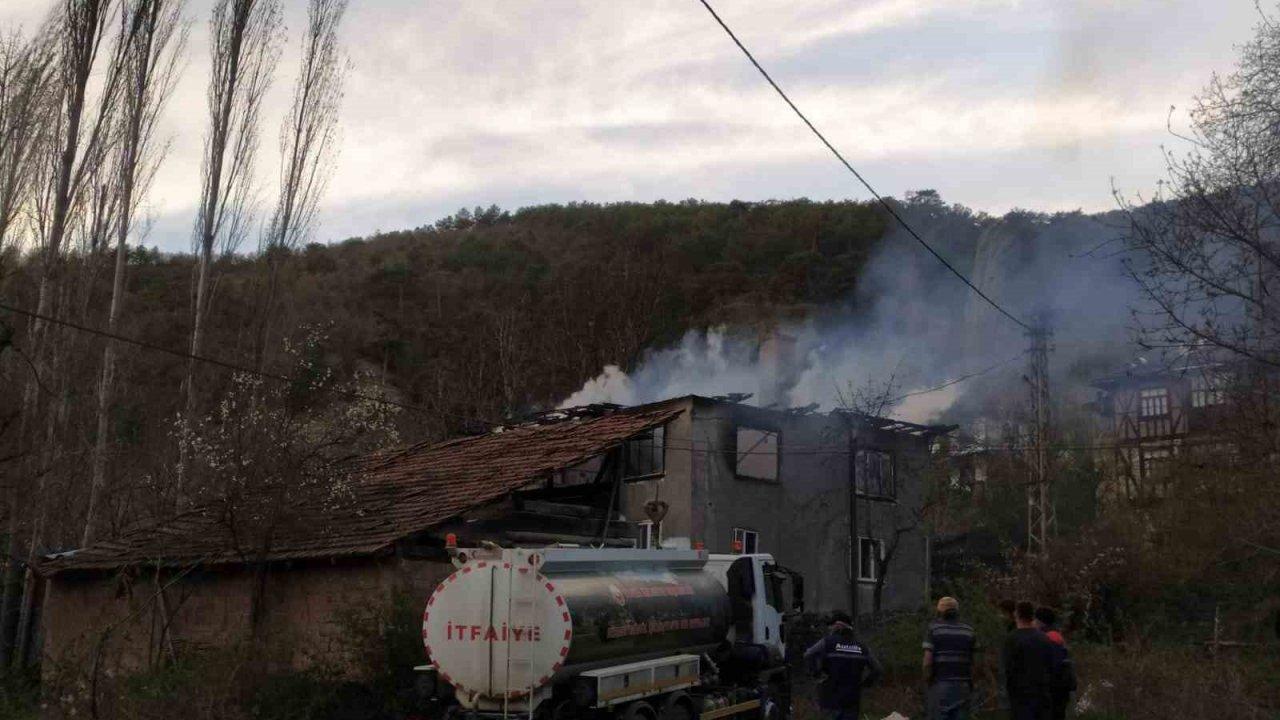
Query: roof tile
(397, 493)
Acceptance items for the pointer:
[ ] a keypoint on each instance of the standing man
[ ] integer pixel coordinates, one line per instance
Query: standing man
(845, 666)
(1028, 661)
(1062, 680)
(948, 663)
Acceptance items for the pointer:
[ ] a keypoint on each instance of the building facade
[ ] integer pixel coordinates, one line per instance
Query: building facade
(838, 497)
(1152, 421)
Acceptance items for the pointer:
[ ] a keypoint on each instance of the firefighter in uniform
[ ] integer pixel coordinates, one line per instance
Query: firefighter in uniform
(845, 666)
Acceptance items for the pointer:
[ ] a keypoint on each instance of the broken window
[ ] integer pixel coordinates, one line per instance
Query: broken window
(648, 534)
(643, 455)
(757, 454)
(870, 557)
(1154, 402)
(746, 542)
(874, 474)
(1207, 389)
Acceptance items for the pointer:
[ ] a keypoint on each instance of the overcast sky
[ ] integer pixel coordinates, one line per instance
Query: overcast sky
(997, 104)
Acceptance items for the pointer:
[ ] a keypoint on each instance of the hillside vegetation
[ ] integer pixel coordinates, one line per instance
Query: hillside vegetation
(483, 314)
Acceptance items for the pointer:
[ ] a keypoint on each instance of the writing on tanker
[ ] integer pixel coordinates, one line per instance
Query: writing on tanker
(490, 633)
(654, 627)
(533, 633)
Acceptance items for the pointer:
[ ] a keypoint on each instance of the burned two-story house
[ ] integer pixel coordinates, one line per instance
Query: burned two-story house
(838, 496)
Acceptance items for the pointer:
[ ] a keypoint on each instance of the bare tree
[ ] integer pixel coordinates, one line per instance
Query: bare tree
(275, 454)
(308, 145)
(80, 134)
(243, 51)
(25, 75)
(913, 503)
(157, 35)
(25, 66)
(1207, 252)
(75, 138)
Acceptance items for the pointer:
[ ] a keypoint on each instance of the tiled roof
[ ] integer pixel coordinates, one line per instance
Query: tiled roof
(395, 494)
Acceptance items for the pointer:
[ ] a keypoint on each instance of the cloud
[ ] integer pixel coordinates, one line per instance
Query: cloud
(483, 101)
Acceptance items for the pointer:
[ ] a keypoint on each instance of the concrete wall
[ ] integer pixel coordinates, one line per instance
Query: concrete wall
(803, 518)
(674, 487)
(897, 523)
(211, 608)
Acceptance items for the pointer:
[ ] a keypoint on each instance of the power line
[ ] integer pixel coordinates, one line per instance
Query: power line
(232, 366)
(793, 450)
(911, 231)
(958, 380)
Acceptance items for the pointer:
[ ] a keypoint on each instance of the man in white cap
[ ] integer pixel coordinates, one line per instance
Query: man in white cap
(948, 663)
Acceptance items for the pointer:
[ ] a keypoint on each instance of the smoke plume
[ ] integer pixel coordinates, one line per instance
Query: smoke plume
(912, 326)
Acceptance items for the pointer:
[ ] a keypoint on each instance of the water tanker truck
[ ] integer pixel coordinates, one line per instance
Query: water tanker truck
(564, 632)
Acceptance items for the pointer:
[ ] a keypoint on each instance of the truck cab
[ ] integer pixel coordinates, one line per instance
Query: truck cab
(762, 594)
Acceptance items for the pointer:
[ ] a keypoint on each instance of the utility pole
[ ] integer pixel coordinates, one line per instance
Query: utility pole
(1040, 515)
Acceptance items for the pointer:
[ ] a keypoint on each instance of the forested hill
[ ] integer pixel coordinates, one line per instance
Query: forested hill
(484, 313)
(491, 313)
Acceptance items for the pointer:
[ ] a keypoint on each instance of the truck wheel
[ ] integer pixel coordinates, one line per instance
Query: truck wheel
(639, 710)
(564, 710)
(677, 710)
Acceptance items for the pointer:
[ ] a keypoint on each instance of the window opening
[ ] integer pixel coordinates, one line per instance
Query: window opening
(870, 556)
(874, 474)
(757, 454)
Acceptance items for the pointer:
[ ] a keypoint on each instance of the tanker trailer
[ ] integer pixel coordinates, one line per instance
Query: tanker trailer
(643, 634)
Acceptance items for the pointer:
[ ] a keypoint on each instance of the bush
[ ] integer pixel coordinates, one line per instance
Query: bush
(383, 644)
(1160, 680)
(370, 678)
(19, 694)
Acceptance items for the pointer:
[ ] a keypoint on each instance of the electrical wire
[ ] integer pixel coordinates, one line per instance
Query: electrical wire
(346, 393)
(894, 213)
(958, 380)
(788, 450)
(232, 366)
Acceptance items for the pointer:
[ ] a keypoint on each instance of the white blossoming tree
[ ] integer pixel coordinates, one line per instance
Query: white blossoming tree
(273, 457)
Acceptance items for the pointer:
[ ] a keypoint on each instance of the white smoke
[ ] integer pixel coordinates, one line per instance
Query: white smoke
(795, 366)
(911, 328)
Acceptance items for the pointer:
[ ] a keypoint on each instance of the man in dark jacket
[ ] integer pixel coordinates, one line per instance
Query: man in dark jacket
(1062, 680)
(948, 663)
(845, 666)
(1028, 663)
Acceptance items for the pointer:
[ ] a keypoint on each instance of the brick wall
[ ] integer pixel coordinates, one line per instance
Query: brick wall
(212, 608)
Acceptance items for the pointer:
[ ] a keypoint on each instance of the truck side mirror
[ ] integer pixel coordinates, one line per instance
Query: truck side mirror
(797, 592)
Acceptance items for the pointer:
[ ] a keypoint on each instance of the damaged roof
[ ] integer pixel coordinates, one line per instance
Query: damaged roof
(393, 495)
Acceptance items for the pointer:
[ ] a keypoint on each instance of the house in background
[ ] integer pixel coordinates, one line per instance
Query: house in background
(1153, 417)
